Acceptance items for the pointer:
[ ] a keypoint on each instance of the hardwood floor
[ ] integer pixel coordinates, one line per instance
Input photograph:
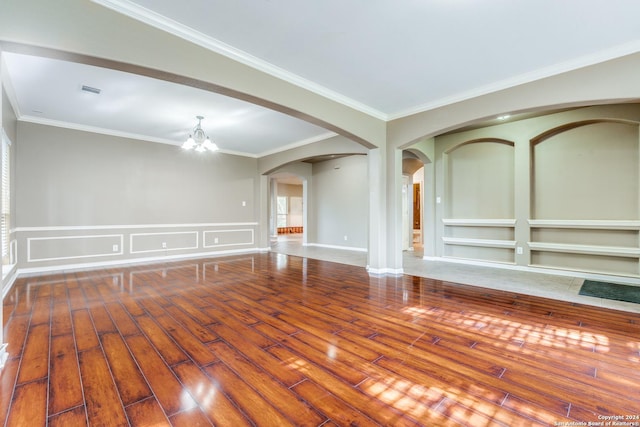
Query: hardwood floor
(271, 339)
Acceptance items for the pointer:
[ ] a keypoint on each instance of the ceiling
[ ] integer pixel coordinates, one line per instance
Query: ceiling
(385, 58)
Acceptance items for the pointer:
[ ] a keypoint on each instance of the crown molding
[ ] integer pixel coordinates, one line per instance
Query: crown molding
(595, 58)
(129, 135)
(301, 143)
(93, 129)
(142, 14)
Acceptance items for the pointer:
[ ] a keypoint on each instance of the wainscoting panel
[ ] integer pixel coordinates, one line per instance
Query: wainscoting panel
(167, 241)
(215, 238)
(38, 249)
(57, 248)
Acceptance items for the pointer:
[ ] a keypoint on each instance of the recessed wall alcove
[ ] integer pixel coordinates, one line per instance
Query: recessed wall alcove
(479, 200)
(585, 197)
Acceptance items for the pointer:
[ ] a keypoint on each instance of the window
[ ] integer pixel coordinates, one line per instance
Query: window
(5, 209)
(283, 211)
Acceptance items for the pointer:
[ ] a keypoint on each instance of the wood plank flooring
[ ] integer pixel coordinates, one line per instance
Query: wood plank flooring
(275, 340)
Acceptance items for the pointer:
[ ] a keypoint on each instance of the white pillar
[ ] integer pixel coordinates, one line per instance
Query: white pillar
(394, 211)
(376, 261)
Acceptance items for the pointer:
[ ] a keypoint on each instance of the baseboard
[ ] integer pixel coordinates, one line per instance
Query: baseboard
(344, 248)
(614, 278)
(22, 272)
(9, 283)
(385, 271)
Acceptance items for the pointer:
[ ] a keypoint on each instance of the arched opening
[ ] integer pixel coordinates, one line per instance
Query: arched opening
(412, 202)
(288, 210)
(317, 208)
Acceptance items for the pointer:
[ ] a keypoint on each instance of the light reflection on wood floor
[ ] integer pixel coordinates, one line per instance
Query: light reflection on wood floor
(272, 339)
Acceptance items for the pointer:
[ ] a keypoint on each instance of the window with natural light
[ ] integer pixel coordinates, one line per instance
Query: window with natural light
(283, 211)
(5, 208)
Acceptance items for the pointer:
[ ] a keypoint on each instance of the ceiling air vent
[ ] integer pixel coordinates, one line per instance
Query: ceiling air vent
(91, 89)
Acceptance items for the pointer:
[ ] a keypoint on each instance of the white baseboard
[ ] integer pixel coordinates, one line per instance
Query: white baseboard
(8, 284)
(344, 248)
(385, 271)
(131, 261)
(601, 277)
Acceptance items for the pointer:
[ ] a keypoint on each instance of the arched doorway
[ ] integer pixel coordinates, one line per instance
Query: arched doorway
(288, 209)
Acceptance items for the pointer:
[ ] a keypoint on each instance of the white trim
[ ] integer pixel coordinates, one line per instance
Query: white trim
(170, 26)
(475, 222)
(487, 243)
(617, 278)
(586, 224)
(94, 129)
(532, 76)
(30, 259)
(204, 236)
(13, 251)
(585, 249)
(131, 251)
(156, 20)
(130, 261)
(346, 248)
(132, 226)
(7, 269)
(385, 271)
(9, 284)
(140, 137)
(302, 143)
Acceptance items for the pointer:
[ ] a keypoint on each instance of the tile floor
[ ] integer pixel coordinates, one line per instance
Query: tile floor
(564, 288)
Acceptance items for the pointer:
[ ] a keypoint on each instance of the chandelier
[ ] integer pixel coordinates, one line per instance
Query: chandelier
(199, 140)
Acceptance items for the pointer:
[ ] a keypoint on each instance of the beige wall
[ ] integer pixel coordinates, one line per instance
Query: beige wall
(567, 191)
(83, 197)
(340, 202)
(589, 172)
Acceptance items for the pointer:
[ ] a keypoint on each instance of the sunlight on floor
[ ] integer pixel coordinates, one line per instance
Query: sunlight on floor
(509, 330)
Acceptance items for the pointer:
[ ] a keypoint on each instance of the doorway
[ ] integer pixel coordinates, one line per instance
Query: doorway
(412, 203)
(287, 222)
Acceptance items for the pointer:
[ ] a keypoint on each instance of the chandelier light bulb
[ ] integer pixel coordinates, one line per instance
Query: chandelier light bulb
(199, 140)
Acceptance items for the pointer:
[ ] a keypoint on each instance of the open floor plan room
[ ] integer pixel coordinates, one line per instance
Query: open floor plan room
(273, 339)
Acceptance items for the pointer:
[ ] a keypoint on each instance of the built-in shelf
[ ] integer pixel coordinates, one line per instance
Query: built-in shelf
(586, 224)
(475, 222)
(586, 249)
(485, 243)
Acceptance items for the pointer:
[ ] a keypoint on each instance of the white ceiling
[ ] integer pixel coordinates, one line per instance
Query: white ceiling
(139, 107)
(387, 58)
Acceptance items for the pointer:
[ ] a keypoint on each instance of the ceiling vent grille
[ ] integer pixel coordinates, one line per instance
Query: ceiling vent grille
(91, 89)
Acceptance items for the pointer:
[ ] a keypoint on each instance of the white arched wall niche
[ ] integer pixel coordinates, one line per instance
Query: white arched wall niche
(585, 196)
(478, 200)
